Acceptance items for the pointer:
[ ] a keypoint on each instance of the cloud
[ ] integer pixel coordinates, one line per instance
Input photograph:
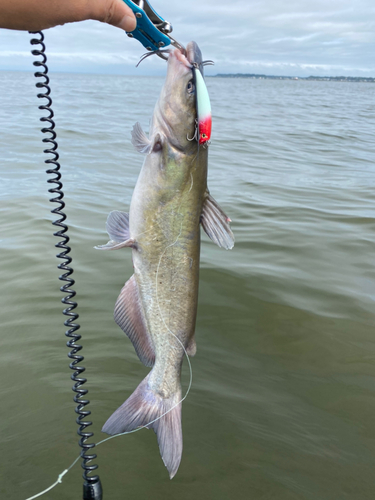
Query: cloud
(14, 53)
(292, 39)
(270, 35)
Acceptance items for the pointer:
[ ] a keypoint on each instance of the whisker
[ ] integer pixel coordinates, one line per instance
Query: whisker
(158, 52)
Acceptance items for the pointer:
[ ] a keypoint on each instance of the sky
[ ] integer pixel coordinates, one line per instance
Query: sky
(273, 37)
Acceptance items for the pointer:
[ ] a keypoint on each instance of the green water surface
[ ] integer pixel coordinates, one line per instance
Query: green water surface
(282, 402)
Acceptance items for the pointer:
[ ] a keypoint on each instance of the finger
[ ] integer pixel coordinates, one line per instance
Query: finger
(116, 13)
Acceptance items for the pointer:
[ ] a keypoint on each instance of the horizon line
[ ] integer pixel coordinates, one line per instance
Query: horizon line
(218, 75)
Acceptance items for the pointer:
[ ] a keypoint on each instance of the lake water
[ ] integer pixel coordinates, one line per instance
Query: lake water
(283, 398)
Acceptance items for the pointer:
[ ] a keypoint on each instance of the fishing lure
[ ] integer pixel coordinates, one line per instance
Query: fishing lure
(203, 107)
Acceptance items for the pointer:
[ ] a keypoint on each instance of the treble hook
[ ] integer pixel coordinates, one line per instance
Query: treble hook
(195, 136)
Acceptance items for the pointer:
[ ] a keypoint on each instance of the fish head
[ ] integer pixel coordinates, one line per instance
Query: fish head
(176, 111)
(173, 151)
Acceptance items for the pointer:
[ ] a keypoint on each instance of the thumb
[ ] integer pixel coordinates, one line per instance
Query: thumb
(117, 13)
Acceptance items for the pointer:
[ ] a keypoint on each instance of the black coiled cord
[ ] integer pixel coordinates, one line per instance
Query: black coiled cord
(92, 489)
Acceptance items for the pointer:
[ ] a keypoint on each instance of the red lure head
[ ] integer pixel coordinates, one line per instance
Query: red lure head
(204, 129)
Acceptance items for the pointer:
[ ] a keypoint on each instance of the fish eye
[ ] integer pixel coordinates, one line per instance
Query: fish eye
(190, 87)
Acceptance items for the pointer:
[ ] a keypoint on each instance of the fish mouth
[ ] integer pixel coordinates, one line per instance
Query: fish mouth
(189, 58)
(181, 57)
(194, 54)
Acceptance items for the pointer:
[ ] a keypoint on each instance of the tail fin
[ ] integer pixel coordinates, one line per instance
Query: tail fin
(141, 409)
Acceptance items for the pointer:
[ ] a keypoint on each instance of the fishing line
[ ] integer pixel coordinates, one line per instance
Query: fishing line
(192, 182)
(161, 315)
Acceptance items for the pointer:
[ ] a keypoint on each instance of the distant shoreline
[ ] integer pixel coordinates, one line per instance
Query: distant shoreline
(310, 78)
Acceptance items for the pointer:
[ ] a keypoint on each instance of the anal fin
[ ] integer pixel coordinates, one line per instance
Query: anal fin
(130, 318)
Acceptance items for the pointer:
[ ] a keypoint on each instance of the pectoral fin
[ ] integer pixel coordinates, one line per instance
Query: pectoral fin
(143, 144)
(117, 227)
(216, 224)
(140, 140)
(130, 318)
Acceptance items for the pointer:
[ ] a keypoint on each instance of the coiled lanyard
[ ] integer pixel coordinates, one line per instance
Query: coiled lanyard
(154, 34)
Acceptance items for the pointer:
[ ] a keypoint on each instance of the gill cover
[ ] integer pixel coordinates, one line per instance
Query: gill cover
(203, 107)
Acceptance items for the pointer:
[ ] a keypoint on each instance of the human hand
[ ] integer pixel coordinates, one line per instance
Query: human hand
(35, 15)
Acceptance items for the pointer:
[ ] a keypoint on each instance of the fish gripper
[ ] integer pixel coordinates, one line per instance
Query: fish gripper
(92, 489)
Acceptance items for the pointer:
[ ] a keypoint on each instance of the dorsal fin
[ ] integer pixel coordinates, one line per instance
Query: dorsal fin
(129, 316)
